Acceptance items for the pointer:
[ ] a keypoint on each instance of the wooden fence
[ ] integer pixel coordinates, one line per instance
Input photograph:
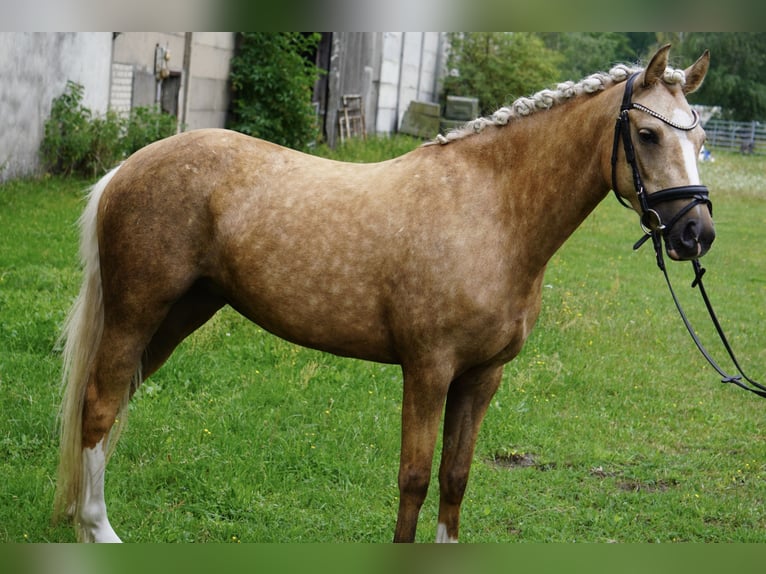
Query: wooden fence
(744, 137)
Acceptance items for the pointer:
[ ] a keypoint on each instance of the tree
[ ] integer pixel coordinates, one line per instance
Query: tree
(583, 53)
(498, 67)
(735, 80)
(272, 81)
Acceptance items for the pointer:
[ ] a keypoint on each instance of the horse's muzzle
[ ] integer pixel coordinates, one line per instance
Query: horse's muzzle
(690, 238)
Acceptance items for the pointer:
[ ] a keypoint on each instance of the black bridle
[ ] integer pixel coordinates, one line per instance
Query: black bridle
(650, 219)
(655, 228)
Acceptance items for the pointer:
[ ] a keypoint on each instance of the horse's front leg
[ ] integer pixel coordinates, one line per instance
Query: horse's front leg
(467, 402)
(425, 390)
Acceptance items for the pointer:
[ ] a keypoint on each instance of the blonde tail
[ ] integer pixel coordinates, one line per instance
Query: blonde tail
(80, 337)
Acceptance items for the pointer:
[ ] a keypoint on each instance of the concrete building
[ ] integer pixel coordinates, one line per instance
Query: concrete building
(186, 73)
(34, 69)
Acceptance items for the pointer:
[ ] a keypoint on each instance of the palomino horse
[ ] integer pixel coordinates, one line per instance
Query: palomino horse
(433, 260)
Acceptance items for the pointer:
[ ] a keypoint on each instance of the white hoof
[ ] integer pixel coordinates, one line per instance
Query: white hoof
(442, 536)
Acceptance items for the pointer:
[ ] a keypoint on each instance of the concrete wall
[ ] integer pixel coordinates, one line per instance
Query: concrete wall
(34, 69)
(133, 64)
(208, 96)
(200, 59)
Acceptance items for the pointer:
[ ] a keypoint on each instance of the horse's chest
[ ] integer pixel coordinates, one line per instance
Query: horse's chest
(513, 326)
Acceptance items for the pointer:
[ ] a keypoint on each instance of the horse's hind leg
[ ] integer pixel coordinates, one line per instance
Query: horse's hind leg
(467, 402)
(115, 369)
(91, 519)
(115, 376)
(186, 315)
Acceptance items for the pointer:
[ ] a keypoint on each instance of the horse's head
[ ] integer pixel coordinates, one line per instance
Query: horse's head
(660, 137)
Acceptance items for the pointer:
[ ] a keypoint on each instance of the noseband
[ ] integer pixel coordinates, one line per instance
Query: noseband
(650, 218)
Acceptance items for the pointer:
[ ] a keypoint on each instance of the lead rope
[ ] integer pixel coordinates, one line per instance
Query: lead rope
(699, 271)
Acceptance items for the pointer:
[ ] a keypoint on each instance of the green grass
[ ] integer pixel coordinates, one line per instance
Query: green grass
(369, 150)
(608, 427)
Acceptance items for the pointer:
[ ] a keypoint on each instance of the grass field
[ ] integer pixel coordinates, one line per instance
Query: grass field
(608, 427)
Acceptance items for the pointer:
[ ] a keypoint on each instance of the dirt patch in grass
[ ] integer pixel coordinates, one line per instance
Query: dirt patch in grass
(628, 484)
(634, 485)
(516, 460)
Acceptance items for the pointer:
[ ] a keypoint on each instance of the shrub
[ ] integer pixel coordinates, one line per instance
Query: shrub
(498, 67)
(145, 126)
(272, 82)
(106, 148)
(78, 142)
(67, 136)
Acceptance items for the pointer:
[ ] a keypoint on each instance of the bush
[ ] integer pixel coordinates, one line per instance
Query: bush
(272, 82)
(67, 133)
(498, 67)
(106, 148)
(78, 143)
(145, 126)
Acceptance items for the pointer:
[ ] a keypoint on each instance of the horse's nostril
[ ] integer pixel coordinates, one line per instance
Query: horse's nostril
(690, 236)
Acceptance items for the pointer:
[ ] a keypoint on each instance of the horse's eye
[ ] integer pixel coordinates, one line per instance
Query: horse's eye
(648, 136)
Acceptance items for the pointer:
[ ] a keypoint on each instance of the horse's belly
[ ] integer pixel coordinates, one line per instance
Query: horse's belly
(339, 319)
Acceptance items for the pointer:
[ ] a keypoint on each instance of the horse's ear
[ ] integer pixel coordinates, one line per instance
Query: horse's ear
(656, 68)
(696, 73)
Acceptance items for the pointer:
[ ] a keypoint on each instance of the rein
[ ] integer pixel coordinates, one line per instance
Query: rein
(654, 229)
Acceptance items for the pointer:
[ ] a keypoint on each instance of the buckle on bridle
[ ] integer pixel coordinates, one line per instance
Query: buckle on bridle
(651, 221)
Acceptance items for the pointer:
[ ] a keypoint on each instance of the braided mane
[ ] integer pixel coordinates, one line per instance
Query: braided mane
(546, 99)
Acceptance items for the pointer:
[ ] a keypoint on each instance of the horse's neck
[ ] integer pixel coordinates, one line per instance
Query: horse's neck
(553, 167)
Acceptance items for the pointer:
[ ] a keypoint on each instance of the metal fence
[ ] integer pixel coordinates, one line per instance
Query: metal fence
(744, 137)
